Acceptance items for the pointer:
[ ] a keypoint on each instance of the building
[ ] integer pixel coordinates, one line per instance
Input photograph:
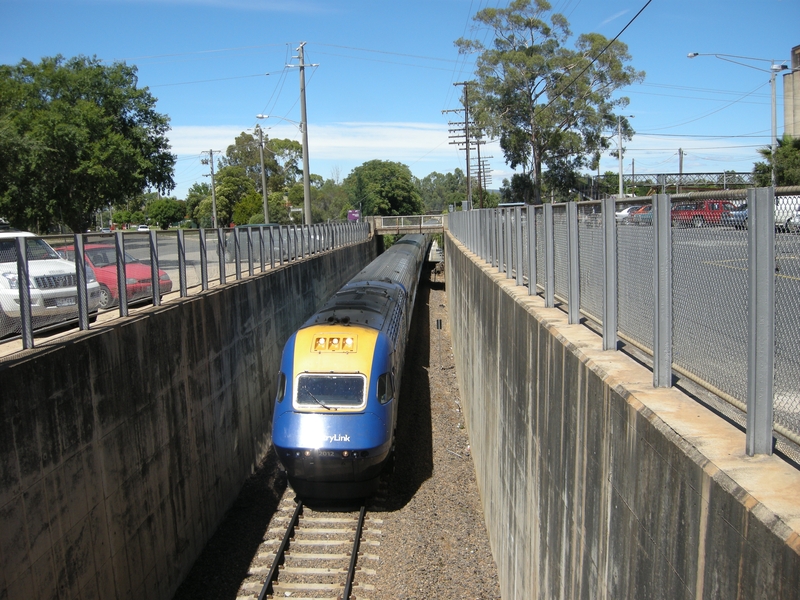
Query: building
(791, 96)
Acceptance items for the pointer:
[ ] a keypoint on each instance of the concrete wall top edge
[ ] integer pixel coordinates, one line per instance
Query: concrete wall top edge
(767, 486)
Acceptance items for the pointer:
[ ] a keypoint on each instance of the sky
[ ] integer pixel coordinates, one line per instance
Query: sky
(385, 72)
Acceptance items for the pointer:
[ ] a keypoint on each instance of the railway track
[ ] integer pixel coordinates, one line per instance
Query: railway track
(312, 554)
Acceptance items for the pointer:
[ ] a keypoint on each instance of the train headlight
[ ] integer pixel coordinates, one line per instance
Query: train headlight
(319, 343)
(345, 454)
(307, 453)
(349, 343)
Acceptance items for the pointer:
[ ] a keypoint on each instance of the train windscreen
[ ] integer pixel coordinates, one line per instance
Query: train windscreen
(330, 391)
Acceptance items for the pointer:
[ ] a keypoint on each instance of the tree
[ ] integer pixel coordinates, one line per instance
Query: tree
(75, 136)
(438, 191)
(196, 194)
(166, 211)
(787, 163)
(547, 104)
(383, 188)
(232, 187)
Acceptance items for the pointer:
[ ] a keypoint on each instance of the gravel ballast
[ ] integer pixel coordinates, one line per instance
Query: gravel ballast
(433, 542)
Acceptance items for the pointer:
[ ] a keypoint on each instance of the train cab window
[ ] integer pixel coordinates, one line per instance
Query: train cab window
(281, 387)
(330, 392)
(385, 388)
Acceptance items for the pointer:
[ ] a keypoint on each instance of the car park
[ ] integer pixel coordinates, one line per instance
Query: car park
(735, 218)
(52, 284)
(643, 215)
(138, 275)
(701, 213)
(623, 213)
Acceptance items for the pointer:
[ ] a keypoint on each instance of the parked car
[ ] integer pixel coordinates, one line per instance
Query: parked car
(630, 219)
(621, 214)
(138, 276)
(701, 213)
(735, 218)
(142, 228)
(642, 216)
(793, 224)
(52, 284)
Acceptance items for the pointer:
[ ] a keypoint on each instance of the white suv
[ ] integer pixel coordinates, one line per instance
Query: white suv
(53, 284)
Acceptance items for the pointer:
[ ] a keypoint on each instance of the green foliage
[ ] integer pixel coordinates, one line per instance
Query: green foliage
(138, 217)
(196, 194)
(166, 211)
(383, 188)
(787, 163)
(547, 104)
(438, 191)
(122, 217)
(76, 136)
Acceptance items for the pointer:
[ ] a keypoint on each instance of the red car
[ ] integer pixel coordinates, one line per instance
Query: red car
(103, 259)
(702, 213)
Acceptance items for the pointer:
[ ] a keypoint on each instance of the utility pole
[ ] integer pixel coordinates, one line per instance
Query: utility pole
(680, 170)
(210, 161)
(304, 131)
(466, 136)
(263, 175)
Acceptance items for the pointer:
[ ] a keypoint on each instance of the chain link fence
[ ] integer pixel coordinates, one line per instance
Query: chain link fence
(714, 252)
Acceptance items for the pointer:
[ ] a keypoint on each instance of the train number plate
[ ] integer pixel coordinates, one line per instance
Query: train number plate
(326, 453)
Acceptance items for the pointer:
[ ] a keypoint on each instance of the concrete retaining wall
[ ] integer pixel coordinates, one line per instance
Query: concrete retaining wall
(596, 485)
(122, 447)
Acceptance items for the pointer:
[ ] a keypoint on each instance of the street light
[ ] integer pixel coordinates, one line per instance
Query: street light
(619, 133)
(773, 70)
(306, 179)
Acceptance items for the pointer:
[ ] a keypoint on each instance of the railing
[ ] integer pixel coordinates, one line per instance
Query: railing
(715, 299)
(408, 224)
(150, 266)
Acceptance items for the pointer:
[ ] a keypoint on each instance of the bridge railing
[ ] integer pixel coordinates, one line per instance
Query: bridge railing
(407, 224)
(707, 285)
(151, 266)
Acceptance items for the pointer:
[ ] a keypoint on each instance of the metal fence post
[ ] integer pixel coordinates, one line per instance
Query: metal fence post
(662, 291)
(250, 267)
(531, 250)
(80, 272)
(122, 287)
(203, 260)
(760, 319)
(182, 261)
(518, 254)
(609, 274)
(508, 251)
(501, 247)
(549, 257)
(154, 278)
(223, 278)
(237, 254)
(574, 265)
(262, 248)
(24, 289)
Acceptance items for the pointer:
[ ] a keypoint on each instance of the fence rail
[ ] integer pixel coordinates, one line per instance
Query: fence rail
(709, 288)
(149, 266)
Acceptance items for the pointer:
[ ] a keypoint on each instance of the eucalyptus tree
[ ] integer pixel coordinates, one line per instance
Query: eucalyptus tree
(76, 136)
(548, 104)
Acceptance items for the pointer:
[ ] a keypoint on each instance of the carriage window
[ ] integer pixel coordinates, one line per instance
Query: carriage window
(281, 387)
(385, 388)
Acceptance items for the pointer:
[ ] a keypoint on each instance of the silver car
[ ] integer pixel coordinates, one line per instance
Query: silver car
(52, 284)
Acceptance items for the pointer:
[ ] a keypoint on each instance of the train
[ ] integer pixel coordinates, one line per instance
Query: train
(335, 410)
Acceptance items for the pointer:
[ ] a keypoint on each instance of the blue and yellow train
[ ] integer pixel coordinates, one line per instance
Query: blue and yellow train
(336, 406)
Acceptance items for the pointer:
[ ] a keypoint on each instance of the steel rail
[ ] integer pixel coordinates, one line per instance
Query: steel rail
(280, 552)
(351, 571)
